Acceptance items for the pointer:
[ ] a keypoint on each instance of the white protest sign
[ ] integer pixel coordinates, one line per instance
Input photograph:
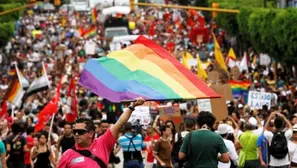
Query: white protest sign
(183, 106)
(81, 66)
(141, 113)
(264, 59)
(204, 105)
(90, 47)
(257, 100)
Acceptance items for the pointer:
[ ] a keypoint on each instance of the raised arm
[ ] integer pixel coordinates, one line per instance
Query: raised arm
(115, 130)
(58, 146)
(255, 114)
(234, 123)
(268, 120)
(289, 125)
(155, 125)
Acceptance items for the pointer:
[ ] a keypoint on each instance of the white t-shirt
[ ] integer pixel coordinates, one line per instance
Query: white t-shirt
(279, 162)
(293, 151)
(183, 135)
(258, 131)
(232, 153)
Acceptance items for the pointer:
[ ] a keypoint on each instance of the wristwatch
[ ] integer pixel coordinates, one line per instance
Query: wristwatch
(131, 108)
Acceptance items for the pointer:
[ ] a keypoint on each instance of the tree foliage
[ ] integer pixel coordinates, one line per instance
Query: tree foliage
(267, 30)
(243, 3)
(11, 16)
(6, 32)
(203, 3)
(12, 1)
(7, 21)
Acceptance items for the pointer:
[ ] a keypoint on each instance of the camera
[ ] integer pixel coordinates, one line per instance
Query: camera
(137, 128)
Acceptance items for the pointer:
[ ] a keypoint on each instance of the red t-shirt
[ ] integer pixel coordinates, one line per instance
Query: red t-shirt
(150, 157)
(30, 144)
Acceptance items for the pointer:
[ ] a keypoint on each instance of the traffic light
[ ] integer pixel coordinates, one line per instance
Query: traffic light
(57, 2)
(215, 5)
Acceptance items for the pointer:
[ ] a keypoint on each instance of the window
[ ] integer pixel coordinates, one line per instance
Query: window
(119, 31)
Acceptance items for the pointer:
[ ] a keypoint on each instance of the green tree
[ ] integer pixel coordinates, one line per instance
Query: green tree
(6, 32)
(10, 16)
(204, 3)
(285, 35)
(7, 21)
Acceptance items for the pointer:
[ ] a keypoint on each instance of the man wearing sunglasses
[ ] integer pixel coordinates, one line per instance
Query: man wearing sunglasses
(84, 133)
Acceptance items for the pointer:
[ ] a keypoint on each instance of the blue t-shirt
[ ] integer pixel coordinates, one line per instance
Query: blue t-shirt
(262, 142)
(137, 141)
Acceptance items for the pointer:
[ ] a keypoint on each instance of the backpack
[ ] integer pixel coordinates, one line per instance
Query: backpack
(279, 146)
(177, 146)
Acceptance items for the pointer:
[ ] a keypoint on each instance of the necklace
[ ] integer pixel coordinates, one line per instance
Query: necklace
(167, 139)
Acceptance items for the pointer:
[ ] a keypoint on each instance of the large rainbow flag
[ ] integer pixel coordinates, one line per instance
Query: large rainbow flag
(142, 70)
(239, 88)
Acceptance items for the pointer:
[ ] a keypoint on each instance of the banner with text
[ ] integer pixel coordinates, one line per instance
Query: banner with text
(257, 100)
(204, 105)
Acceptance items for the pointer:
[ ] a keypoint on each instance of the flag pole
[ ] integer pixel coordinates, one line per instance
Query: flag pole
(12, 111)
(50, 129)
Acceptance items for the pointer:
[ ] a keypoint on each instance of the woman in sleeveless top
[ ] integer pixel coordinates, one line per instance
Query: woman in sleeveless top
(42, 154)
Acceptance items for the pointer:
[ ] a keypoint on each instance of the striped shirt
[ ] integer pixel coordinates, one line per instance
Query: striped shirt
(137, 140)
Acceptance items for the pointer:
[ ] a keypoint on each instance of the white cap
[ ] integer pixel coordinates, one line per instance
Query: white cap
(253, 121)
(295, 127)
(240, 106)
(223, 129)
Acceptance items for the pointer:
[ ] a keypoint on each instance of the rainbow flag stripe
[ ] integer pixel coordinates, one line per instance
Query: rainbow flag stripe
(142, 70)
(239, 88)
(90, 33)
(94, 16)
(15, 92)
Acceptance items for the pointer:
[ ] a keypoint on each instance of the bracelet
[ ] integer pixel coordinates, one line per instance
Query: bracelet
(131, 108)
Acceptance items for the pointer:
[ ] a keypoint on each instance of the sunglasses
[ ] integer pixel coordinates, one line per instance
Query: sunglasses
(80, 131)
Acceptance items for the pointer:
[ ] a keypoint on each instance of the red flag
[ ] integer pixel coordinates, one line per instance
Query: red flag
(201, 20)
(72, 110)
(3, 111)
(49, 109)
(152, 29)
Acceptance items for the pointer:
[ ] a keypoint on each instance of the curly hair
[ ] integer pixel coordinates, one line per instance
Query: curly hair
(207, 118)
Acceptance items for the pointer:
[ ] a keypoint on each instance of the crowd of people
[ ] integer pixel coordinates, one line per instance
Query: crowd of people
(247, 138)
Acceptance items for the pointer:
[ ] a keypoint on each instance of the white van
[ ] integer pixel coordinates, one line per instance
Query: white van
(80, 5)
(87, 5)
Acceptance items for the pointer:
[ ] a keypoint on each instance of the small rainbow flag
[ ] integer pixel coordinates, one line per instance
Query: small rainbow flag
(143, 69)
(91, 32)
(239, 88)
(94, 16)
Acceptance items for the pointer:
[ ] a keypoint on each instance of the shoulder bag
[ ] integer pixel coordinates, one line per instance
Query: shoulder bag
(88, 154)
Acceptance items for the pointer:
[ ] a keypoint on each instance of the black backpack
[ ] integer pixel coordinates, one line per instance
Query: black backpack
(279, 146)
(177, 146)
